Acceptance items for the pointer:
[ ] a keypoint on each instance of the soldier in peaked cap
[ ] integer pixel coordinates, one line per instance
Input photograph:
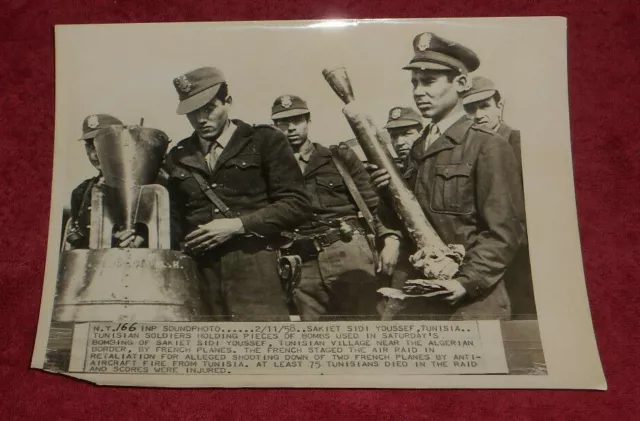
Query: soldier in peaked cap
(404, 126)
(463, 177)
(233, 188)
(484, 103)
(337, 275)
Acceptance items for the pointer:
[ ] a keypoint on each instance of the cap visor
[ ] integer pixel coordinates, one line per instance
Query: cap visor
(90, 135)
(401, 122)
(426, 65)
(198, 100)
(478, 96)
(289, 113)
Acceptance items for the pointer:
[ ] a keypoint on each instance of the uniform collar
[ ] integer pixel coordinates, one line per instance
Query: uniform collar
(448, 121)
(223, 139)
(454, 135)
(306, 151)
(504, 130)
(188, 152)
(320, 156)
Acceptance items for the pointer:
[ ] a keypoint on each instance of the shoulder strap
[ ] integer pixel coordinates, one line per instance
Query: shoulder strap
(217, 202)
(353, 189)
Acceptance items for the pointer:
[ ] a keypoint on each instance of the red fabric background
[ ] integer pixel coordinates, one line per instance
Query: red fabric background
(604, 89)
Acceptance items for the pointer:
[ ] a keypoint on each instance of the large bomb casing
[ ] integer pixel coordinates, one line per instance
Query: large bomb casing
(136, 284)
(130, 158)
(127, 285)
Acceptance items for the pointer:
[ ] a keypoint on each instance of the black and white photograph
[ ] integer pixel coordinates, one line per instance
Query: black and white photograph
(337, 203)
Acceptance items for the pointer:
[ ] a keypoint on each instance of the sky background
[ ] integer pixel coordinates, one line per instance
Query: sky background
(127, 71)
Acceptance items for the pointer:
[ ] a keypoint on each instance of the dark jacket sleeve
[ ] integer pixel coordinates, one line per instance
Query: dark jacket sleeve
(382, 214)
(514, 141)
(76, 199)
(360, 177)
(290, 204)
(175, 204)
(500, 230)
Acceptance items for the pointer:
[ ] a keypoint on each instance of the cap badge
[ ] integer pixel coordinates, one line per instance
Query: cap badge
(424, 42)
(285, 101)
(395, 113)
(182, 83)
(93, 122)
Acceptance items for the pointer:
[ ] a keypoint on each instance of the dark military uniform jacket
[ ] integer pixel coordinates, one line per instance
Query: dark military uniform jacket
(468, 186)
(81, 211)
(256, 176)
(330, 197)
(513, 137)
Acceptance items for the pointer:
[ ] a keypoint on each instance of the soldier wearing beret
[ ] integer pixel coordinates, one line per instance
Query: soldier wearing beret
(80, 219)
(233, 188)
(404, 126)
(465, 178)
(484, 103)
(337, 277)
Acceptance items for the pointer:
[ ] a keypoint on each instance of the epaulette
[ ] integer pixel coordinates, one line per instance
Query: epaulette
(480, 128)
(177, 146)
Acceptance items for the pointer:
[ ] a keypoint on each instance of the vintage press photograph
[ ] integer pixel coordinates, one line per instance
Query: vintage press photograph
(343, 176)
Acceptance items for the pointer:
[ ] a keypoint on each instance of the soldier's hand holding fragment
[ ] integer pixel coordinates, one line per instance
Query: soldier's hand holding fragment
(379, 176)
(455, 289)
(128, 239)
(389, 255)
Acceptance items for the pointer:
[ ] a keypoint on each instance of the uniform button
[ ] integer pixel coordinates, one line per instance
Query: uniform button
(216, 210)
(88, 207)
(297, 230)
(331, 184)
(181, 174)
(214, 185)
(243, 163)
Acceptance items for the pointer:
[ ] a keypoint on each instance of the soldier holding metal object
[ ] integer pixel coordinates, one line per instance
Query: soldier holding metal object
(336, 249)
(466, 180)
(80, 221)
(108, 281)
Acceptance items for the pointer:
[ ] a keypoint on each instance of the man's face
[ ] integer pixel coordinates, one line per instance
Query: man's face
(92, 154)
(209, 120)
(434, 95)
(296, 128)
(402, 138)
(487, 112)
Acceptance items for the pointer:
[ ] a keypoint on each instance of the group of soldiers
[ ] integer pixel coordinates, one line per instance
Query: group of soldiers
(280, 224)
